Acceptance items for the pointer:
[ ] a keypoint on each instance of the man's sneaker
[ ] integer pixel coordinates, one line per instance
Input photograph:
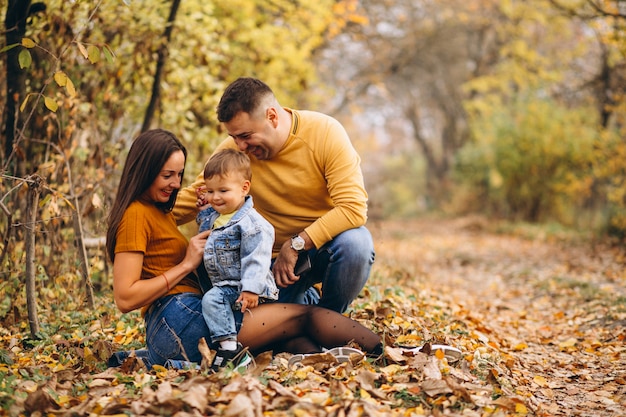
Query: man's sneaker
(239, 358)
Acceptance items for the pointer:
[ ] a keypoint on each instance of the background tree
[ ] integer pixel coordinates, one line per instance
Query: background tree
(407, 67)
(574, 58)
(86, 87)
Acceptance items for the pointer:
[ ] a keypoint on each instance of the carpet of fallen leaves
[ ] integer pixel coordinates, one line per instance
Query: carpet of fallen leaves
(540, 319)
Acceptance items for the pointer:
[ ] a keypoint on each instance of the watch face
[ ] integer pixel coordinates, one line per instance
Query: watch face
(297, 243)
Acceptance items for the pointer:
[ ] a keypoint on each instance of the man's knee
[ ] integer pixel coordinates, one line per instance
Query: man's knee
(357, 243)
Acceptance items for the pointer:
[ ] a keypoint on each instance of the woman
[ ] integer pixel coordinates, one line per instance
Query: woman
(154, 269)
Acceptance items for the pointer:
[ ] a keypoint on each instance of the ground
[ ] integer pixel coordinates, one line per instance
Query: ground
(539, 316)
(555, 304)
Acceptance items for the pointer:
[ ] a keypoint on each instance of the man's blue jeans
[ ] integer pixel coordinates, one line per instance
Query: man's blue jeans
(342, 266)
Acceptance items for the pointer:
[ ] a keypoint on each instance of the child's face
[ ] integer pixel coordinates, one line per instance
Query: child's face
(226, 193)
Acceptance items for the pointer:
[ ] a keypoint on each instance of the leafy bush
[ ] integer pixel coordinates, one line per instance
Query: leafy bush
(530, 161)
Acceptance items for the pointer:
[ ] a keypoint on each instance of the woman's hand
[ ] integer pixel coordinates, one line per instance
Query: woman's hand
(195, 250)
(131, 292)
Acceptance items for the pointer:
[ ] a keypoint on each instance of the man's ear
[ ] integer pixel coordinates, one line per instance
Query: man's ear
(272, 116)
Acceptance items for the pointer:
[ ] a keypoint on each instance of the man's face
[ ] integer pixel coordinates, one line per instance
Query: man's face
(256, 136)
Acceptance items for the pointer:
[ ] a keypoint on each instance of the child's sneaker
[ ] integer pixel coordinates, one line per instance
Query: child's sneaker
(240, 359)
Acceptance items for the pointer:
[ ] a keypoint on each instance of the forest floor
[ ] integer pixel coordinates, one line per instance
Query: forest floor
(540, 318)
(554, 306)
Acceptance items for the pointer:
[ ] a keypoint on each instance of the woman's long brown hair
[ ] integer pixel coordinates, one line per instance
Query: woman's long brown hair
(146, 157)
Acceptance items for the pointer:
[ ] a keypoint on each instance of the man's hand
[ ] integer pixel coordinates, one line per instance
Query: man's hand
(247, 300)
(201, 199)
(284, 265)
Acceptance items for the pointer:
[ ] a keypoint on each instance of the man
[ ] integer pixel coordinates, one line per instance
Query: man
(308, 185)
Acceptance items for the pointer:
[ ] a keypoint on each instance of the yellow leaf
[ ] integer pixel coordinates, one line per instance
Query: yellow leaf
(50, 104)
(161, 371)
(439, 354)
(61, 78)
(69, 87)
(63, 400)
(521, 408)
(569, 343)
(541, 381)
(520, 347)
(28, 43)
(82, 49)
(23, 105)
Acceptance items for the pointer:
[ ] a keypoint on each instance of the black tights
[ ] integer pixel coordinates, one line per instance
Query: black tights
(300, 328)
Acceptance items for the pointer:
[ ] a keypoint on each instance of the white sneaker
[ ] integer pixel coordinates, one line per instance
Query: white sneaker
(340, 354)
(452, 354)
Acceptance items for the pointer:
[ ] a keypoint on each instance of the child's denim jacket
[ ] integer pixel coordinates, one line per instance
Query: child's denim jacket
(239, 253)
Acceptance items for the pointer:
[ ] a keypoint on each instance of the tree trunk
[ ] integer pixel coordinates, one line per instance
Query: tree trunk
(34, 190)
(160, 66)
(15, 28)
(82, 253)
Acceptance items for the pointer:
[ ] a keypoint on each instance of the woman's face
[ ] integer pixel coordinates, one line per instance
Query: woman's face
(168, 180)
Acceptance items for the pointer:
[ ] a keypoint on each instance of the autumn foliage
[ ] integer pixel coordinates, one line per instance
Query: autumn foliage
(514, 110)
(539, 319)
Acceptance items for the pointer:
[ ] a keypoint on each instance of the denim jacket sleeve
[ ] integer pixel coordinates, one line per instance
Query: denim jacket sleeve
(256, 258)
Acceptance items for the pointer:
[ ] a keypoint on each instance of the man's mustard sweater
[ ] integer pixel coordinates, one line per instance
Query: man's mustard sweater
(314, 183)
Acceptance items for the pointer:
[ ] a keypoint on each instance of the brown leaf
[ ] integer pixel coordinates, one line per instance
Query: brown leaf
(39, 401)
(196, 396)
(207, 354)
(434, 387)
(395, 354)
(280, 390)
(261, 361)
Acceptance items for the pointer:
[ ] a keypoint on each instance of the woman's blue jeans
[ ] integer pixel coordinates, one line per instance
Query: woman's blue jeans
(174, 325)
(342, 266)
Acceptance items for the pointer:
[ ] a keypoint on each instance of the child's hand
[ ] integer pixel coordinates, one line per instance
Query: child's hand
(202, 201)
(247, 300)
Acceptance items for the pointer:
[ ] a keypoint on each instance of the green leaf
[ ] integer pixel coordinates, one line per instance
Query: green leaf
(108, 54)
(24, 58)
(94, 54)
(6, 48)
(5, 357)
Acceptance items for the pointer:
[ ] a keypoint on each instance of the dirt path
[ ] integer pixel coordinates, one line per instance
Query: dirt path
(555, 308)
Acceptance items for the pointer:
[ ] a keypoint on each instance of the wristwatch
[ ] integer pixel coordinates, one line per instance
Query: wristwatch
(297, 243)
